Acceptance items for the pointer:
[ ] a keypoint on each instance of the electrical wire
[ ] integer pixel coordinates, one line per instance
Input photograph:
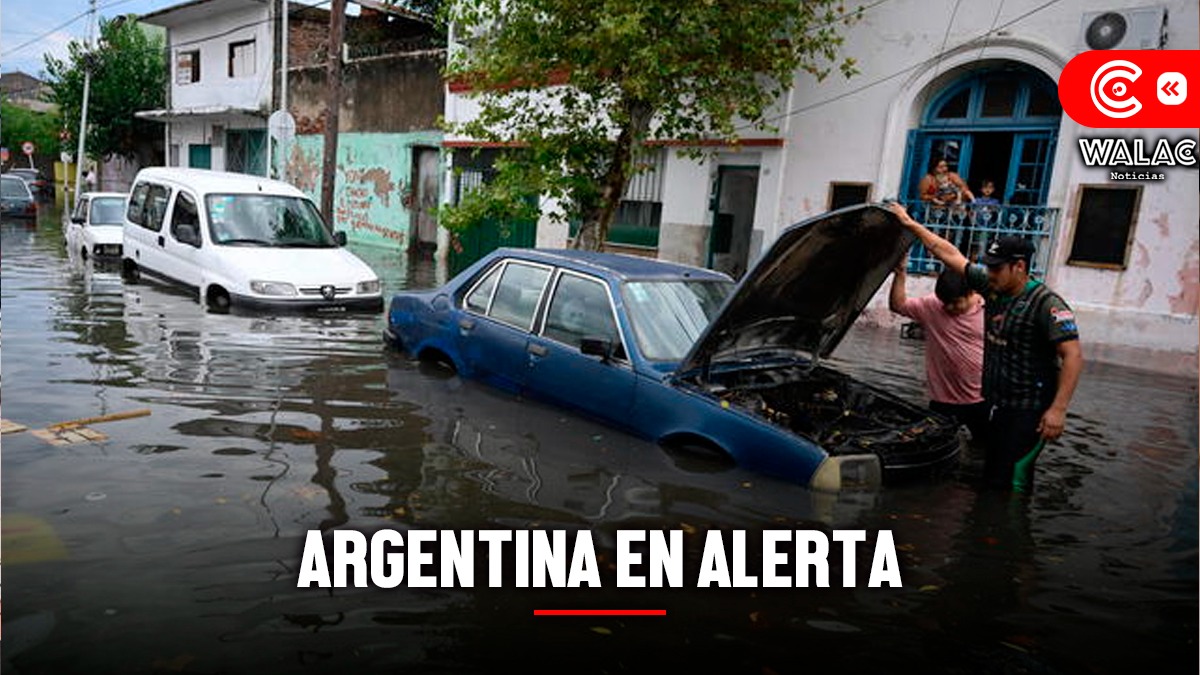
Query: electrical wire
(945, 38)
(251, 24)
(902, 71)
(987, 38)
(54, 30)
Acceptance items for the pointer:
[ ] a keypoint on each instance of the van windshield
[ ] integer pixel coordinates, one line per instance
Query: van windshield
(266, 220)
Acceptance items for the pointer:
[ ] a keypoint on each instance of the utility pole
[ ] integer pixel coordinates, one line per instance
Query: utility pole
(337, 29)
(88, 62)
(283, 87)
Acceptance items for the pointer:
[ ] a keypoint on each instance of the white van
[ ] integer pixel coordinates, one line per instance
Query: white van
(241, 240)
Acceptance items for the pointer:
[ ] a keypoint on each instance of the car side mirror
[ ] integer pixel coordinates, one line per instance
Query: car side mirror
(187, 234)
(592, 346)
(339, 238)
(78, 220)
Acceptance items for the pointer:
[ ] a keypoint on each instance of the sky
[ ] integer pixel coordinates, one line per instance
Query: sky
(29, 29)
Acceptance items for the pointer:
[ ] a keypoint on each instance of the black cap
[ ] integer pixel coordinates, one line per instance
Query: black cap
(1008, 249)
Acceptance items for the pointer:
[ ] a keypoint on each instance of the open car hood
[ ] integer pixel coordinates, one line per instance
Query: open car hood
(807, 290)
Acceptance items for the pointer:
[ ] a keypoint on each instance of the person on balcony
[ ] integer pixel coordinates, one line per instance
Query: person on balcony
(1031, 355)
(942, 187)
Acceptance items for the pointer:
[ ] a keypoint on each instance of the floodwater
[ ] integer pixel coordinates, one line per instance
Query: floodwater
(173, 545)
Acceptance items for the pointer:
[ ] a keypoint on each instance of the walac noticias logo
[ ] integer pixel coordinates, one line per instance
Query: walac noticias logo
(1127, 89)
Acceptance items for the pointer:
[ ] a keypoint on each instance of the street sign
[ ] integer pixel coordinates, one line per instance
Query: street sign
(27, 147)
(281, 126)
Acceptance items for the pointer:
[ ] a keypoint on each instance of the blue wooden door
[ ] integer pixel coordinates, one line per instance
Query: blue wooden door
(1029, 177)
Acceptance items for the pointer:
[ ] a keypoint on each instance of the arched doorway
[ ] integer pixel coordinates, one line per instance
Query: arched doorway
(999, 124)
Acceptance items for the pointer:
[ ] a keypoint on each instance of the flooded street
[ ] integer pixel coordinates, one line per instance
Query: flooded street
(173, 545)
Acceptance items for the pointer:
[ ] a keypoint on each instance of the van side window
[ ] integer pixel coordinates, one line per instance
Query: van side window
(185, 220)
(155, 209)
(148, 205)
(137, 203)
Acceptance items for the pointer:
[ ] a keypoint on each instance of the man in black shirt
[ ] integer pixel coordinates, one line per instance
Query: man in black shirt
(1028, 331)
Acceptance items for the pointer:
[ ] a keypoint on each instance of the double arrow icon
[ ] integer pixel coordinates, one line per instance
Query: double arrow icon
(1172, 88)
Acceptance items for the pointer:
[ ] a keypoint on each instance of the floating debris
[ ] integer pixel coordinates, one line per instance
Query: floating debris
(75, 431)
(832, 626)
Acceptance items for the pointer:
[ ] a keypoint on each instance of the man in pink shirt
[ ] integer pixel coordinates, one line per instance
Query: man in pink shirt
(953, 321)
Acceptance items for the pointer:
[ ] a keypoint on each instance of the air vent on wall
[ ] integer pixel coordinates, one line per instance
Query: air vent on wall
(1141, 28)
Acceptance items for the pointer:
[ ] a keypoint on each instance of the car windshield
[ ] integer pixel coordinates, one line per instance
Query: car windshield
(668, 316)
(266, 220)
(108, 211)
(13, 188)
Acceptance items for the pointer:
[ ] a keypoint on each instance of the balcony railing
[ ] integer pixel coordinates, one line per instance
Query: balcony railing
(972, 227)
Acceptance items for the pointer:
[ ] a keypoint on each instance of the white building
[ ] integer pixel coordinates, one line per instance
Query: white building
(221, 56)
(975, 83)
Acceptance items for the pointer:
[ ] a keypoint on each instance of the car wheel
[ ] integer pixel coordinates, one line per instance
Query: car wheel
(217, 300)
(130, 272)
(698, 456)
(438, 360)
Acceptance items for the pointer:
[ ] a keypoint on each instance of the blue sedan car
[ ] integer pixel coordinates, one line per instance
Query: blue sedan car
(685, 357)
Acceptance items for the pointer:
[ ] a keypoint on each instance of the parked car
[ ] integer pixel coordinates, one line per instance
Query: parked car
(16, 200)
(38, 185)
(681, 356)
(241, 241)
(96, 226)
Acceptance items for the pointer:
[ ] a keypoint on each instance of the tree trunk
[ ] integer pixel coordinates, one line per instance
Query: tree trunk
(593, 231)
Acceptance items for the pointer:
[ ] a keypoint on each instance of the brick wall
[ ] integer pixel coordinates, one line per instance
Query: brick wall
(395, 93)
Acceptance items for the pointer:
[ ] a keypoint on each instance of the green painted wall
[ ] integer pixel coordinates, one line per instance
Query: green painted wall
(373, 199)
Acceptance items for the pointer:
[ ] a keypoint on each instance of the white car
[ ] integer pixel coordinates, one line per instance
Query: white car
(242, 241)
(96, 226)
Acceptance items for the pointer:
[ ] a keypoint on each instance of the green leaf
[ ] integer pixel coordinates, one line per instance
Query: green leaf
(581, 87)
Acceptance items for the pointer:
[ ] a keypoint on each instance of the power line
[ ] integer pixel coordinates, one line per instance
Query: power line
(54, 30)
(946, 37)
(235, 29)
(903, 71)
(987, 38)
(77, 17)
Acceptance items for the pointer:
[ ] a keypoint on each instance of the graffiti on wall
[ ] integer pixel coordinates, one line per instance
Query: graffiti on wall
(372, 196)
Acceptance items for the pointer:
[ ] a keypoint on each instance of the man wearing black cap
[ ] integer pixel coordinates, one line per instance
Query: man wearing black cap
(1028, 331)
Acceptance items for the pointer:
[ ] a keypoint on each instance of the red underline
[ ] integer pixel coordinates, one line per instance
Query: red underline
(599, 612)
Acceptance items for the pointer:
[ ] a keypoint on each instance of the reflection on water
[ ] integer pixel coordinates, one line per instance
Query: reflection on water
(173, 545)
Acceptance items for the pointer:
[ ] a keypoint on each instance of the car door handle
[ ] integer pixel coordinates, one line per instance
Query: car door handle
(537, 350)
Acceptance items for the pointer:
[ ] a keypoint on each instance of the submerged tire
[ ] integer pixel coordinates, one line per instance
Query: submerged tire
(438, 359)
(129, 271)
(217, 300)
(697, 455)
